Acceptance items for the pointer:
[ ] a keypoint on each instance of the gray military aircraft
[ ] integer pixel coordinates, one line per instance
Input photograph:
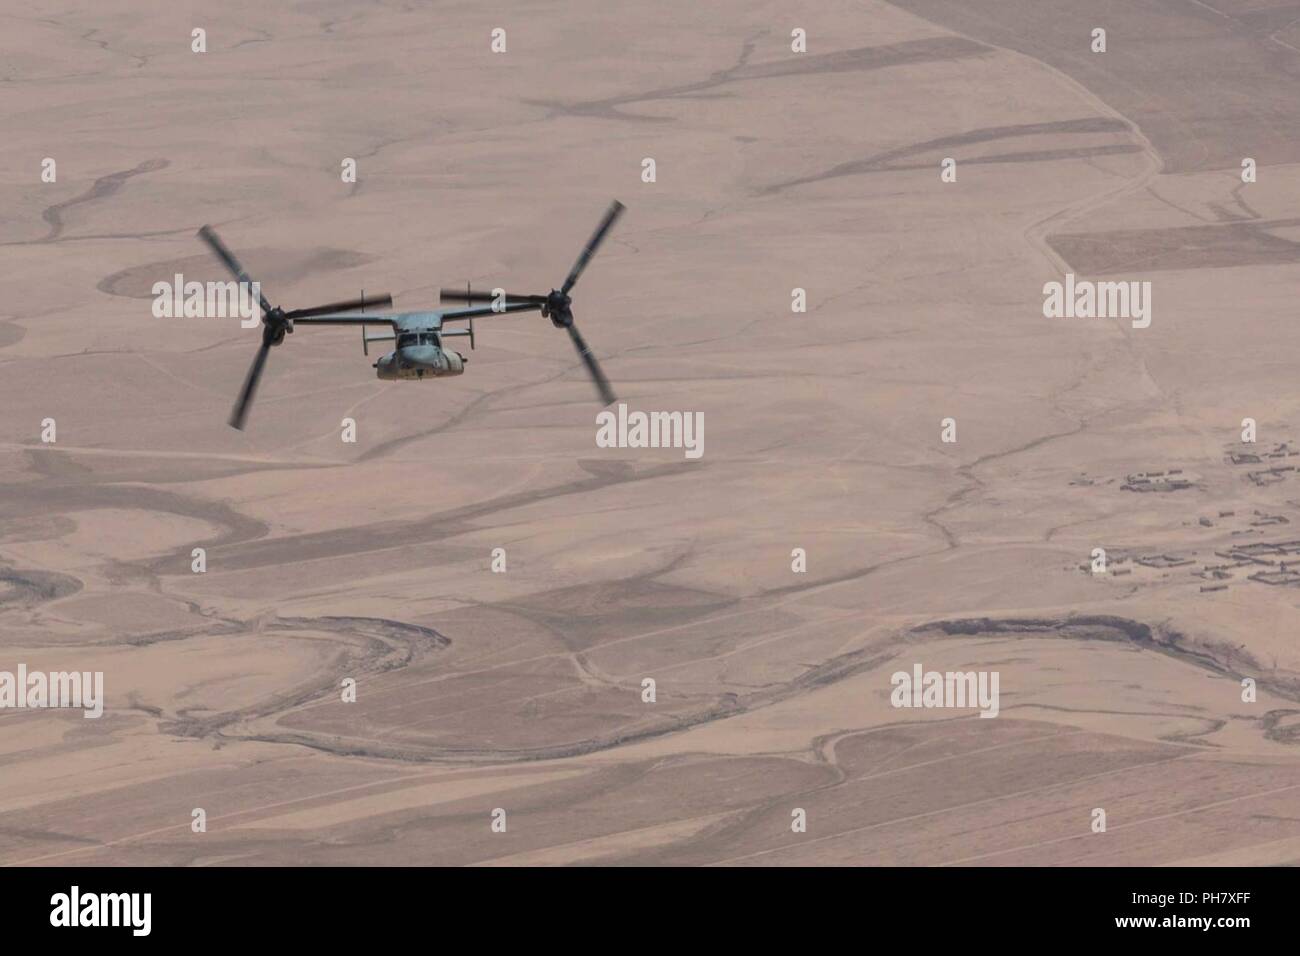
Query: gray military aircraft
(419, 336)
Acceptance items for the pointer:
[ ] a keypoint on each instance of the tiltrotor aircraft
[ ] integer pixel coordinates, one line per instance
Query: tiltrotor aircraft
(419, 336)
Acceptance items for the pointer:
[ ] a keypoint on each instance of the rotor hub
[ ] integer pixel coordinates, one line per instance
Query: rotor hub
(275, 324)
(558, 308)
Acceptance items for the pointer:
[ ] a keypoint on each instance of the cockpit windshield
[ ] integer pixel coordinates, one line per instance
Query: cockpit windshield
(407, 339)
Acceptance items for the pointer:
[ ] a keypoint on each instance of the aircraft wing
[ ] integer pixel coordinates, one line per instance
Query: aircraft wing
(357, 318)
(479, 311)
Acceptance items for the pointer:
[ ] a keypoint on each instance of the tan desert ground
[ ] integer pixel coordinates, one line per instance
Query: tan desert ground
(502, 716)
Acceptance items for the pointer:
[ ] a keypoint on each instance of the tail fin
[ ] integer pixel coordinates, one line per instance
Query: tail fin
(381, 337)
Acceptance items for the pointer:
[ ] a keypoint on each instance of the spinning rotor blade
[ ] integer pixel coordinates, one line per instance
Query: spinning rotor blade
(209, 236)
(468, 295)
(240, 411)
(557, 305)
(593, 367)
(379, 302)
(611, 215)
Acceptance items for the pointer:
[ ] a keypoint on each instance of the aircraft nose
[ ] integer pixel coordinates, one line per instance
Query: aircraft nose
(421, 354)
